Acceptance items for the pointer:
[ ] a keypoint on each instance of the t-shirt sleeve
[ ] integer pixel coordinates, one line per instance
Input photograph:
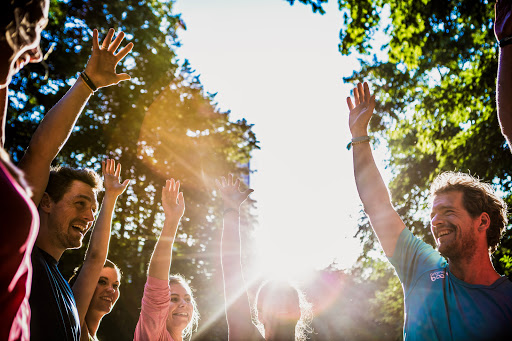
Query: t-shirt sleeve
(412, 257)
(154, 310)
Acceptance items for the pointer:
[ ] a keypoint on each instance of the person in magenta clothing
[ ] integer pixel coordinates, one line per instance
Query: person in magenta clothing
(169, 311)
(18, 232)
(21, 24)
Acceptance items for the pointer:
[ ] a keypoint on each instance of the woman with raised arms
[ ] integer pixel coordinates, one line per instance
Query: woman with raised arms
(96, 284)
(169, 311)
(281, 310)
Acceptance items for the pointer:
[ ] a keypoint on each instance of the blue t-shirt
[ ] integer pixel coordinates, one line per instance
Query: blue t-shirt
(439, 306)
(54, 313)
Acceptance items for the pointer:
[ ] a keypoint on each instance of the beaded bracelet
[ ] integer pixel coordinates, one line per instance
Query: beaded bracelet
(359, 140)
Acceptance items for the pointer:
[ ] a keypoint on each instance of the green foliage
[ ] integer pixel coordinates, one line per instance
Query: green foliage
(161, 124)
(316, 5)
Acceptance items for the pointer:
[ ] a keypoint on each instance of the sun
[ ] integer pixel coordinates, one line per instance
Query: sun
(292, 243)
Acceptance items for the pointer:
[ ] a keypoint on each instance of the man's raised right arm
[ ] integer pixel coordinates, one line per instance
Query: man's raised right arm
(55, 129)
(371, 188)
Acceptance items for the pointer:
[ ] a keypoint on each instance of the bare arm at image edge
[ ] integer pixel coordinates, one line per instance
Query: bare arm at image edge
(503, 30)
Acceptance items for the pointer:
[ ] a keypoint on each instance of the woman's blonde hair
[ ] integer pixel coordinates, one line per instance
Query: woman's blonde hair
(303, 326)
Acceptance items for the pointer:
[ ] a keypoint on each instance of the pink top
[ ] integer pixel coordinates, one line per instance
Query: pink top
(19, 225)
(153, 315)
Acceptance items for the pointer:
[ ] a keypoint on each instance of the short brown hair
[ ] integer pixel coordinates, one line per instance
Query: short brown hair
(61, 179)
(477, 197)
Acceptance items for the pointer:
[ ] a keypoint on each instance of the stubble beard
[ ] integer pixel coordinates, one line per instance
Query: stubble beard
(67, 240)
(460, 249)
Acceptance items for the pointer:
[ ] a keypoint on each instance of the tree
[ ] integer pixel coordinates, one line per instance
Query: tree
(160, 124)
(316, 5)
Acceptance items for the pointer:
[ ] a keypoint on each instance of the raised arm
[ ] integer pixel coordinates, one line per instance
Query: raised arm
(85, 284)
(174, 207)
(503, 32)
(238, 311)
(55, 128)
(371, 188)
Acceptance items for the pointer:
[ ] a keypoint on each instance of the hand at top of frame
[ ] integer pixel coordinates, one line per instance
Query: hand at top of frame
(111, 174)
(231, 193)
(101, 67)
(172, 200)
(361, 110)
(503, 19)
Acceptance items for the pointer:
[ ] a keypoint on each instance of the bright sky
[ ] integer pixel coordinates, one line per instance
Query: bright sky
(279, 67)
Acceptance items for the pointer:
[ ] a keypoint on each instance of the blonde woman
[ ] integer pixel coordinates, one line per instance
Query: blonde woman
(169, 311)
(281, 311)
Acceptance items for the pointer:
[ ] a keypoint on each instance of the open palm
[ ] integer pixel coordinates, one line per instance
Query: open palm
(231, 193)
(111, 176)
(361, 110)
(101, 67)
(172, 199)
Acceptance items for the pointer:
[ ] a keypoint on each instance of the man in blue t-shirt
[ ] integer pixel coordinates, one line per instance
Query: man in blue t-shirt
(453, 293)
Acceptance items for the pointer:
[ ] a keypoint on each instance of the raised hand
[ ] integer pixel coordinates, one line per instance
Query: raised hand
(361, 110)
(172, 199)
(101, 68)
(231, 193)
(111, 173)
(503, 19)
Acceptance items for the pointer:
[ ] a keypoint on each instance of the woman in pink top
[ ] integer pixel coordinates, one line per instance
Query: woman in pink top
(168, 310)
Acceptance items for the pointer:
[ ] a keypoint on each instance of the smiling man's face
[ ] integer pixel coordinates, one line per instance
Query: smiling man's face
(72, 216)
(452, 226)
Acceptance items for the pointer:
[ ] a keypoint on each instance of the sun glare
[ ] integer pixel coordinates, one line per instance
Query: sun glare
(297, 248)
